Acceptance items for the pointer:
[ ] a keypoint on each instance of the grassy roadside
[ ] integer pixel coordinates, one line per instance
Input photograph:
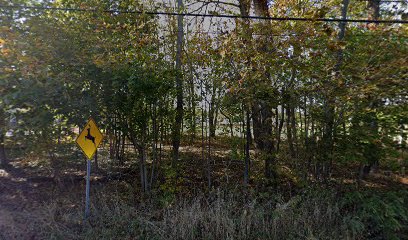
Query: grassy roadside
(314, 213)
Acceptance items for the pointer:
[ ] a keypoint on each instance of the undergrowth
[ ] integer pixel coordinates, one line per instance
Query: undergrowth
(314, 213)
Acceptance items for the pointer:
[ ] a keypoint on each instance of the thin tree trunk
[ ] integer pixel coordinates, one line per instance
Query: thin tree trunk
(289, 131)
(282, 120)
(329, 108)
(96, 161)
(243, 132)
(371, 156)
(217, 105)
(179, 85)
(154, 145)
(193, 109)
(276, 122)
(211, 120)
(142, 169)
(161, 143)
(213, 112)
(115, 146)
(3, 157)
(111, 146)
(230, 123)
(306, 154)
(374, 154)
(208, 141)
(209, 162)
(291, 124)
(300, 120)
(122, 151)
(373, 7)
(247, 153)
(294, 132)
(306, 121)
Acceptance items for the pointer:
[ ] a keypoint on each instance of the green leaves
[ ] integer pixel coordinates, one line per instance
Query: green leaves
(380, 215)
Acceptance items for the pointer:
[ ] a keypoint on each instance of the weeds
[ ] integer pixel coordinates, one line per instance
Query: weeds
(313, 214)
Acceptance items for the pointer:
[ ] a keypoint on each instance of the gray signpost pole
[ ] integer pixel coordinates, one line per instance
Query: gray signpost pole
(88, 176)
(88, 141)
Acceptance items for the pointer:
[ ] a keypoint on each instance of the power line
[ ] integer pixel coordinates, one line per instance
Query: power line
(288, 35)
(208, 15)
(385, 1)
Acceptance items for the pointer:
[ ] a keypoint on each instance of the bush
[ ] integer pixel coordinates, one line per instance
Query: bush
(377, 215)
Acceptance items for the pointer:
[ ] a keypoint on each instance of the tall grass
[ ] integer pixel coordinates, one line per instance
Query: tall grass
(310, 215)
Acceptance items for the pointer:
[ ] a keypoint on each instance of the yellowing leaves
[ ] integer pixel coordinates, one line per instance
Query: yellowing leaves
(223, 52)
(99, 61)
(337, 45)
(8, 70)
(5, 51)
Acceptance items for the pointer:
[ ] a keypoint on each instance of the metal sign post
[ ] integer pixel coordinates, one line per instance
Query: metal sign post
(88, 141)
(88, 185)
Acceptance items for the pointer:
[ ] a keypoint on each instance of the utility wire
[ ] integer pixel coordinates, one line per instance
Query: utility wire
(287, 35)
(385, 1)
(208, 15)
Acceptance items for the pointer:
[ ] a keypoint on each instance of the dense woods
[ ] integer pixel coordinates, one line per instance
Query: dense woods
(233, 109)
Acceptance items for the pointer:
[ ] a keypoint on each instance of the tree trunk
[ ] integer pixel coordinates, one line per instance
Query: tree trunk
(3, 157)
(279, 130)
(261, 7)
(289, 131)
(211, 119)
(122, 150)
(263, 134)
(373, 7)
(248, 140)
(179, 85)
(244, 6)
(142, 169)
(209, 161)
(264, 119)
(154, 145)
(329, 108)
(193, 109)
(294, 132)
(373, 153)
(230, 123)
(261, 111)
(96, 161)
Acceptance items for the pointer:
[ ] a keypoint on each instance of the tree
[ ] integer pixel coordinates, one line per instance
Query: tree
(179, 85)
(11, 68)
(3, 157)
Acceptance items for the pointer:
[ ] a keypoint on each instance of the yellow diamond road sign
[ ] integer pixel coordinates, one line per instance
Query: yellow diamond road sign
(89, 138)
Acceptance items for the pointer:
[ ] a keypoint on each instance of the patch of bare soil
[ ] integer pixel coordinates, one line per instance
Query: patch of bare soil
(20, 194)
(26, 188)
(23, 190)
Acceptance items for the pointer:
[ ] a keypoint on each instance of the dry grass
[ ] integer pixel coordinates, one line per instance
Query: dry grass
(219, 215)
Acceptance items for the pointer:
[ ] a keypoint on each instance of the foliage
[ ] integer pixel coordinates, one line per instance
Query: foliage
(317, 104)
(315, 213)
(378, 215)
